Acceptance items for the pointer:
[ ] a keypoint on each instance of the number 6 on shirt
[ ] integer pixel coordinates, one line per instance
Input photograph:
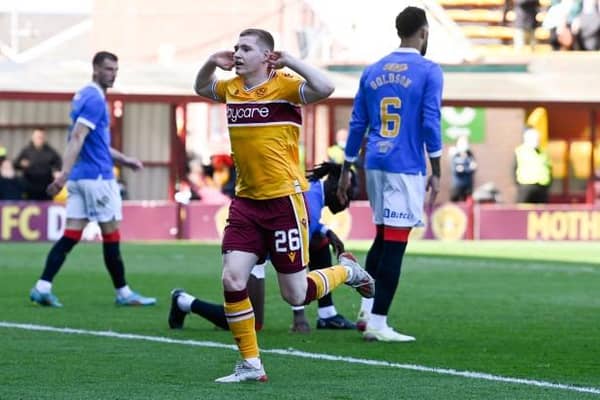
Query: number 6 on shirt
(390, 118)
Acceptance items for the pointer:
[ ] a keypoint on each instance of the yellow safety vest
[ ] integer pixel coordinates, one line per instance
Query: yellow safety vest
(532, 167)
(336, 154)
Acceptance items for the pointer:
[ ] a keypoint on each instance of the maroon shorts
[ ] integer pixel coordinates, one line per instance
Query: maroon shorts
(275, 227)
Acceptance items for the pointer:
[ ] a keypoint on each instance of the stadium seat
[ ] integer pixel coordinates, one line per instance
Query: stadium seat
(472, 3)
(500, 32)
(484, 16)
(489, 26)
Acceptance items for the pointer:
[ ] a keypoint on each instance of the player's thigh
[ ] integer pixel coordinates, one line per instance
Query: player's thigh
(287, 227)
(243, 231)
(109, 204)
(403, 200)
(76, 224)
(75, 208)
(109, 227)
(375, 184)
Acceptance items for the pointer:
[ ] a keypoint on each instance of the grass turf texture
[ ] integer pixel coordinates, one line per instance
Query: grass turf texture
(513, 309)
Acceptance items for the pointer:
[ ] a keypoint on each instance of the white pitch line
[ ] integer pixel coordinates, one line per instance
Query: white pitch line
(303, 354)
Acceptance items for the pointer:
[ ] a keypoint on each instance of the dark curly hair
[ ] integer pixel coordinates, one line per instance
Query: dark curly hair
(333, 171)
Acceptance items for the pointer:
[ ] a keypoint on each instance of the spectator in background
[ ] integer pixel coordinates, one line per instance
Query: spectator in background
(39, 163)
(194, 180)
(11, 186)
(558, 21)
(2, 153)
(586, 26)
(224, 173)
(532, 169)
(335, 153)
(525, 23)
(199, 185)
(463, 166)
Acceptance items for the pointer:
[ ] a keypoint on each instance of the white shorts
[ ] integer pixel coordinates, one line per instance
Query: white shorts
(94, 199)
(396, 199)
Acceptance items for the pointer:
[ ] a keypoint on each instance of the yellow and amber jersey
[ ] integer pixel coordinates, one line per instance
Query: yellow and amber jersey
(264, 128)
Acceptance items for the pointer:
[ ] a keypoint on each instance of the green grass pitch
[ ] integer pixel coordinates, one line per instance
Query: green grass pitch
(528, 311)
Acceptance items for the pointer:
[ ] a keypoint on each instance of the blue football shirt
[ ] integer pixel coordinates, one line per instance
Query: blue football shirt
(398, 107)
(315, 202)
(89, 108)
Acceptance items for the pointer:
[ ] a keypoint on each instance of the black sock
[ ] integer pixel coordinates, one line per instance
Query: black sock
(114, 263)
(375, 251)
(325, 301)
(388, 275)
(215, 313)
(56, 257)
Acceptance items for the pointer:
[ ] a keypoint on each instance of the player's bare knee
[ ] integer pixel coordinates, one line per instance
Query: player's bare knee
(233, 282)
(294, 298)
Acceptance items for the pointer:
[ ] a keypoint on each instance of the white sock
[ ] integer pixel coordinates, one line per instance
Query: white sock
(43, 286)
(377, 322)
(184, 302)
(367, 304)
(297, 308)
(124, 292)
(254, 361)
(327, 312)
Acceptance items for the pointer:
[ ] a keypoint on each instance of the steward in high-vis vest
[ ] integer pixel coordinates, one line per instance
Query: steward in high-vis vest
(533, 171)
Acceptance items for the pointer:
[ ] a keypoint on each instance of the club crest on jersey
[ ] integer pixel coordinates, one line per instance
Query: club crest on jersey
(394, 67)
(292, 256)
(303, 222)
(260, 92)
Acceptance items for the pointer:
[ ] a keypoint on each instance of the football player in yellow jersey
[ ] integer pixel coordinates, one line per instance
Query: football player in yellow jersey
(268, 215)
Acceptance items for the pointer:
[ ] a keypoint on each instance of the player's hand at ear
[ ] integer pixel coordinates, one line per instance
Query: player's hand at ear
(278, 59)
(224, 59)
(336, 242)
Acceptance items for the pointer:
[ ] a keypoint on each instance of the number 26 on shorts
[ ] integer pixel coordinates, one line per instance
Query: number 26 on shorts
(286, 241)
